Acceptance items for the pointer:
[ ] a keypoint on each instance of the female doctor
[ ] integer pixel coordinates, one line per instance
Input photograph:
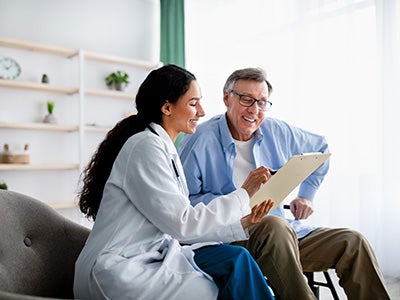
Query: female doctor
(147, 241)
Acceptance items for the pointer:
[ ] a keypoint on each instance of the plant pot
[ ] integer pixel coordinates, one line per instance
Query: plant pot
(119, 86)
(45, 78)
(50, 118)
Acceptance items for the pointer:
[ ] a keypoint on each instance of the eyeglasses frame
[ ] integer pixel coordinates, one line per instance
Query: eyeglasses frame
(269, 103)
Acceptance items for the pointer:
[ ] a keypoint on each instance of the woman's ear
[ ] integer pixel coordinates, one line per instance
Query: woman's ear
(166, 108)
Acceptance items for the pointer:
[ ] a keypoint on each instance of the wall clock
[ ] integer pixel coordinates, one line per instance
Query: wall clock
(9, 68)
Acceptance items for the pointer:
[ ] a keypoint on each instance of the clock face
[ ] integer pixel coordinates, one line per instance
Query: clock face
(9, 68)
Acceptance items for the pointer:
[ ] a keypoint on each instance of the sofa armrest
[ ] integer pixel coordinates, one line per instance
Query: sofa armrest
(14, 296)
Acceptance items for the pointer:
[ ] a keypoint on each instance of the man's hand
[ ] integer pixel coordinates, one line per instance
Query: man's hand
(257, 213)
(301, 208)
(255, 179)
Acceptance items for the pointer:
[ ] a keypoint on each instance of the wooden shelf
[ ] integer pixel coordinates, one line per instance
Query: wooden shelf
(110, 93)
(97, 129)
(120, 60)
(63, 204)
(64, 52)
(18, 84)
(92, 130)
(38, 126)
(52, 127)
(38, 167)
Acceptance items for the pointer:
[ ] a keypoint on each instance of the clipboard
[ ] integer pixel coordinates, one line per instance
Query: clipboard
(287, 178)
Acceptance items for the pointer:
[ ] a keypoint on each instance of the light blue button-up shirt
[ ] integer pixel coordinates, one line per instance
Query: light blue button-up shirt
(208, 156)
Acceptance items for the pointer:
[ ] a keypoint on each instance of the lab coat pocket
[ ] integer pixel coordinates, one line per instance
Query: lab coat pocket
(169, 276)
(175, 260)
(117, 277)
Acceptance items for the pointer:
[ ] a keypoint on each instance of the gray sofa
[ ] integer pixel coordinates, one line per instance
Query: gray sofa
(38, 249)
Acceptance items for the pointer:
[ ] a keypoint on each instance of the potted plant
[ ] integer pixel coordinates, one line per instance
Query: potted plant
(45, 78)
(3, 185)
(49, 118)
(117, 80)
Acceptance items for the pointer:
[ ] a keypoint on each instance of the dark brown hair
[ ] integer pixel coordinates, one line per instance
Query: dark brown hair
(169, 82)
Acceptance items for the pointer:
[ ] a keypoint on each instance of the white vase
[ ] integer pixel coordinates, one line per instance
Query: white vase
(119, 86)
(50, 118)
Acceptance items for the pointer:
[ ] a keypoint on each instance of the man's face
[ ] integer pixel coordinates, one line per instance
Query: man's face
(244, 121)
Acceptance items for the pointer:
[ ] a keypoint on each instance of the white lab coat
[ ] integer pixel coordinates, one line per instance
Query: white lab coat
(134, 250)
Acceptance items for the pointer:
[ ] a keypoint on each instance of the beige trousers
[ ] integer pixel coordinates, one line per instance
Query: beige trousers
(283, 258)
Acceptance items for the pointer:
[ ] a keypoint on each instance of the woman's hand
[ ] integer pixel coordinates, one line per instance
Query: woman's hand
(255, 179)
(257, 213)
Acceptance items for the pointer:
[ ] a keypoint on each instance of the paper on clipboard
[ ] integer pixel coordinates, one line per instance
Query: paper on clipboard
(287, 178)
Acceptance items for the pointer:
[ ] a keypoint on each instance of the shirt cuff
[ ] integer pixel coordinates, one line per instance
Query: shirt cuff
(238, 232)
(244, 201)
(306, 191)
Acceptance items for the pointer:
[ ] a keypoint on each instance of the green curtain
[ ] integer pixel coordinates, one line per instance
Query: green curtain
(172, 44)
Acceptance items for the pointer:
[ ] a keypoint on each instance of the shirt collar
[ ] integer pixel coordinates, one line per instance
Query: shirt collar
(165, 137)
(226, 136)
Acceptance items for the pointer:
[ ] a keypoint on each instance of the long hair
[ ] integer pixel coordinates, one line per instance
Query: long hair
(169, 82)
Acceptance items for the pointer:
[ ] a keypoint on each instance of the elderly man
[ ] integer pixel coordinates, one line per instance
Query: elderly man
(225, 149)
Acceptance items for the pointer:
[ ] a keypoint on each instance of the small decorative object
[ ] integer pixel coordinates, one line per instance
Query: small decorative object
(117, 80)
(9, 68)
(15, 157)
(45, 78)
(50, 118)
(3, 185)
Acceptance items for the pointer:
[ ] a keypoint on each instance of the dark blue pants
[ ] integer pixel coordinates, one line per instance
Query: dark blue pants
(235, 272)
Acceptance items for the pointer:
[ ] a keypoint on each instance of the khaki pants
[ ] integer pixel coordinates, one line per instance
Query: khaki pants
(282, 258)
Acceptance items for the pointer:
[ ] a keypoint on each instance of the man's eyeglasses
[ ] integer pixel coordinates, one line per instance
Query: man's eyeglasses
(248, 101)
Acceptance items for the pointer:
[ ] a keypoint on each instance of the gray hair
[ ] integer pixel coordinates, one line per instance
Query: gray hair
(256, 74)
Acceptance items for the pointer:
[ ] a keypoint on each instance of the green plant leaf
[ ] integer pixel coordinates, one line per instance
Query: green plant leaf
(50, 107)
(117, 77)
(3, 186)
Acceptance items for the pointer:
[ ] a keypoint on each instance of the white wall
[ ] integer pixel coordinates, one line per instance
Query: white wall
(121, 27)
(128, 28)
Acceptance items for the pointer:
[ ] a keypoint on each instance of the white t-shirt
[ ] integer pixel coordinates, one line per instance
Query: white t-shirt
(244, 162)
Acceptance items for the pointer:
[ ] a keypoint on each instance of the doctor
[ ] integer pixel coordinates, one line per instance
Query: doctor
(147, 241)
